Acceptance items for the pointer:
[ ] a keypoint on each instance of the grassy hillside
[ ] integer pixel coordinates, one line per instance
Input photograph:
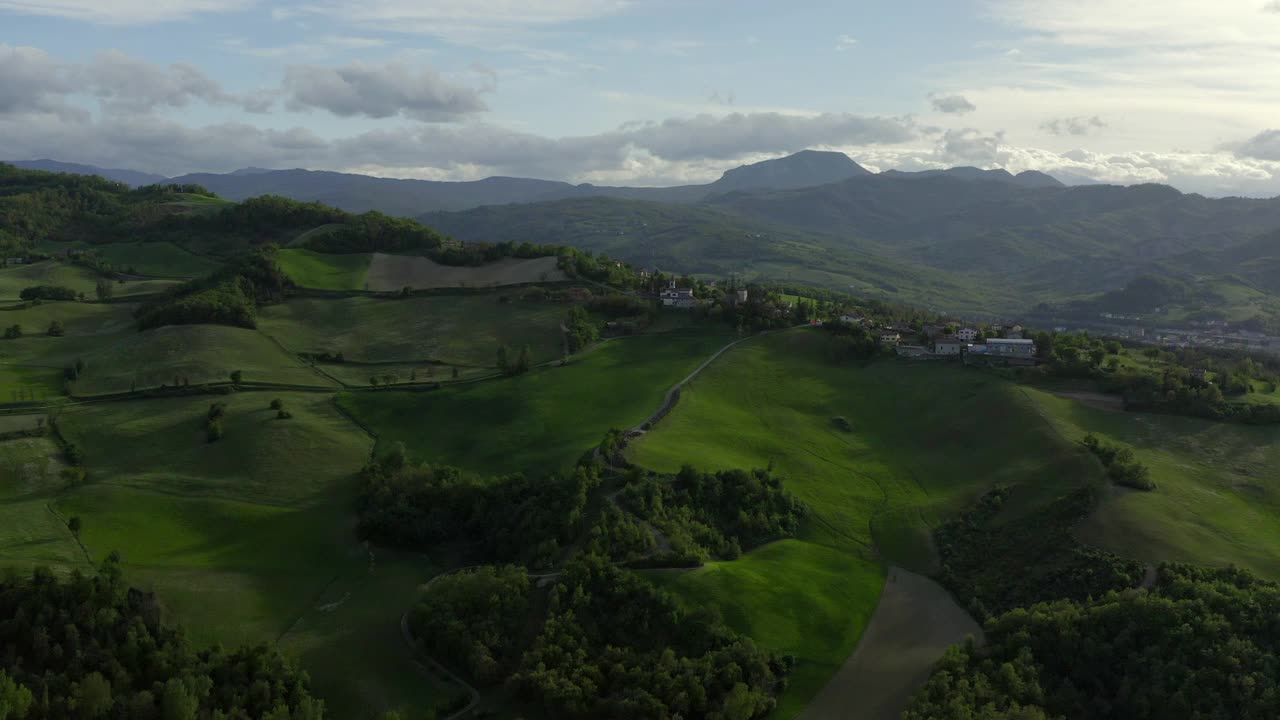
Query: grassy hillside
(926, 440)
(1216, 501)
(325, 271)
(541, 421)
(459, 330)
(198, 353)
(31, 530)
(81, 279)
(247, 539)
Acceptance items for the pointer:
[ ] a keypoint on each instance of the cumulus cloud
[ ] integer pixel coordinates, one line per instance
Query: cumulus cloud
(954, 104)
(728, 136)
(122, 12)
(33, 81)
(1263, 146)
(1076, 125)
(379, 91)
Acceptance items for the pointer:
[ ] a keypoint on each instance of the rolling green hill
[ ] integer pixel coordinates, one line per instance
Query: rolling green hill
(917, 455)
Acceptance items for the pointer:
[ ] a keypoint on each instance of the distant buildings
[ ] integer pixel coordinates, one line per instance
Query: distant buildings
(999, 347)
(948, 346)
(967, 334)
(680, 298)
(890, 337)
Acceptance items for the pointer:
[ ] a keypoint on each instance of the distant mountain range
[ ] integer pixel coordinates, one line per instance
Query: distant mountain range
(132, 178)
(360, 193)
(963, 239)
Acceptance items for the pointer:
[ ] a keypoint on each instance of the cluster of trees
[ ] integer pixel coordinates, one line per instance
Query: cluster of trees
(851, 343)
(475, 618)
(511, 363)
(229, 296)
(503, 519)
(1122, 467)
(611, 645)
(615, 646)
(49, 292)
(13, 332)
(715, 514)
(89, 647)
(620, 537)
(580, 328)
(1200, 645)
(994, 564)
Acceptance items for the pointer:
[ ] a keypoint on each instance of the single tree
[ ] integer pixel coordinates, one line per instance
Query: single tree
(277, 404)
(56, 329)
(455, 372)
(236, 376)
(373, 380)
(214, 431)
(105, 290)
(73, 524)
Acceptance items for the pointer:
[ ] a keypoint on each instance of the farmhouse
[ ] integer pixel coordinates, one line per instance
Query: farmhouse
(967, 334)
(675, 297)
(1011, 348)
(890, 337)
(851, 319)
(948, 346)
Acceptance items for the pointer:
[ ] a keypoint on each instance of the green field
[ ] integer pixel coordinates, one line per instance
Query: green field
(248, 539)
(541, 421)
(81, 279)
(926, 440)
(31, 531)
(1217, 500)
(325, 271)
(158, 259)
(458, 330)
(198, 353)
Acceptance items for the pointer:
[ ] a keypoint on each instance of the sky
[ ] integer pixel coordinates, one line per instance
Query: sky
(649, 92)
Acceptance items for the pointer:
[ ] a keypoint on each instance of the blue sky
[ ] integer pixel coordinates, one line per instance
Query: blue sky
(649, 91)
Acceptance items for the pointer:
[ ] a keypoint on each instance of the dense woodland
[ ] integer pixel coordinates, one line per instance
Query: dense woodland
(715, 515)
(230, 296)
(608, 644)
(504, 519)
(1201, 645)
(90, 647)
(993, 564)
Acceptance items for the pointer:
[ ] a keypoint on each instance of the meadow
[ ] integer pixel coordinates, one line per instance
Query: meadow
(388, 273)
(31, 531)
(13, 280)
(197, 353)
(1217, 501)
(248, 539)
(462, 330)
(541, 421)
(325, 271)
(926, 440)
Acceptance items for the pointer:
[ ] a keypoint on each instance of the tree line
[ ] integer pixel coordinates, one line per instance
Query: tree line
(606, 643)
(87, 646)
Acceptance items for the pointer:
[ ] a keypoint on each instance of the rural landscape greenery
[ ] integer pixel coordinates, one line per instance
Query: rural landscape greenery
(263, 457)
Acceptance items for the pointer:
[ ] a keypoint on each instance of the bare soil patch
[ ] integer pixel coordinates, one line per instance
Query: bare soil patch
(915, 622)
(388, 273)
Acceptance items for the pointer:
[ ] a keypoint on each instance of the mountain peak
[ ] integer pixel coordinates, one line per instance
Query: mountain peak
(803, 169)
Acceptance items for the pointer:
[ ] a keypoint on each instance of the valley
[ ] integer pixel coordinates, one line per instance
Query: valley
(296, 445)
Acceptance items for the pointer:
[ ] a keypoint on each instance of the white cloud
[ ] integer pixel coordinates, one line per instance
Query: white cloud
(1074, 125)
(953, 104)
(123, 12)
(846, 42)
(380, 91)
(317, 47)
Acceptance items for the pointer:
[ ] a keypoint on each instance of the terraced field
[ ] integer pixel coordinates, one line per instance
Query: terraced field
(455, 330)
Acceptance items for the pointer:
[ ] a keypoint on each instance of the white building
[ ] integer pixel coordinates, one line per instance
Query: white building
(678, 297)
(967, 334)
(890, 337)
(1011, 348)
(948, 346)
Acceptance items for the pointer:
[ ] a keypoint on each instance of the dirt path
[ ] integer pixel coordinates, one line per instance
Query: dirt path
(417, 653)
(914, 623)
